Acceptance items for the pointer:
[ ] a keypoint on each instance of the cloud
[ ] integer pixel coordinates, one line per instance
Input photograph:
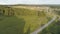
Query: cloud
(2, 3)
(29, 2)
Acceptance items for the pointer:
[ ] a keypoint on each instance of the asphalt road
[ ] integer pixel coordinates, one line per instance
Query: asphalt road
(43, 27)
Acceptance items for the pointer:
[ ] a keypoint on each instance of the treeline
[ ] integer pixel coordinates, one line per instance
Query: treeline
(28, 12)
(7, 11)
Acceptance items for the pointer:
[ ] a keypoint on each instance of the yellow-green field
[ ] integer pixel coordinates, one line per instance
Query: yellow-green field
(31, 19)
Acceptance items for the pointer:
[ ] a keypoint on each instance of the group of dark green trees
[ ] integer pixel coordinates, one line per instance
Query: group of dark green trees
(7, 11)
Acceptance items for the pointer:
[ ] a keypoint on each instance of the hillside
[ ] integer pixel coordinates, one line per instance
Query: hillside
(16, 16)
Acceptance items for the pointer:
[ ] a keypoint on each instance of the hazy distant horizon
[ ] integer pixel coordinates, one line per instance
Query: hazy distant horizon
(31, 2)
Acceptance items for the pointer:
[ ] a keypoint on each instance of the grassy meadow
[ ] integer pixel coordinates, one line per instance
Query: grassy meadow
(24, 21)
(32, 18)
(11, 25)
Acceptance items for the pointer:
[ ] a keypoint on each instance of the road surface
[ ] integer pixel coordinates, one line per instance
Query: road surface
(43, 27)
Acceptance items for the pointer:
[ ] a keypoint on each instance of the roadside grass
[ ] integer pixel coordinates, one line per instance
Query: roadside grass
(34, 22)
(54, 28)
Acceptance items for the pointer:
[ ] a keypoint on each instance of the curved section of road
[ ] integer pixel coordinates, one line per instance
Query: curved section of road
(43, 27)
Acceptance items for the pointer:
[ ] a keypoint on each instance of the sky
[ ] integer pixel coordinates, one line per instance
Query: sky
(29, 2)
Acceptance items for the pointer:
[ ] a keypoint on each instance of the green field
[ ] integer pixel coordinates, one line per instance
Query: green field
(32, 18)
(11, 25)
(25, 21)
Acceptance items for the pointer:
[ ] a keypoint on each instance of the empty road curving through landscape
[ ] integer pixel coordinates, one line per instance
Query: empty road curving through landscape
(43, 27)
